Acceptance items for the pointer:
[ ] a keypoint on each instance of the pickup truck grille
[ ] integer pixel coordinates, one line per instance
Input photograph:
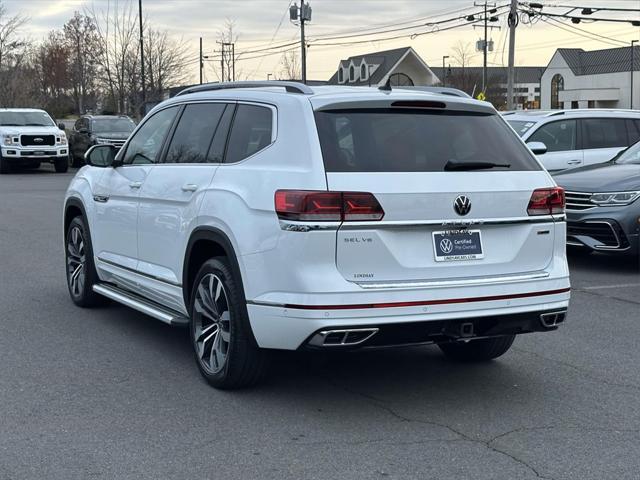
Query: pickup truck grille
(578, 201)
(37, 140)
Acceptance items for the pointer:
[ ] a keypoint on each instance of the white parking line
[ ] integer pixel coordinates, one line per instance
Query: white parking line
(601, 287)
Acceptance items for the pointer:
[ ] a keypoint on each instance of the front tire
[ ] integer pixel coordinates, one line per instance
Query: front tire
(81, 271)
(477, 350)
(4, 166)
(226, 352)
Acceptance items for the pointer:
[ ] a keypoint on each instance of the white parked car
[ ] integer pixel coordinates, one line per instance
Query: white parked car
(30, 137)
(270, 215)
(565, 139)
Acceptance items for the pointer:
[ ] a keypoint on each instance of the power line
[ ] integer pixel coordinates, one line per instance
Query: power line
(561, 26)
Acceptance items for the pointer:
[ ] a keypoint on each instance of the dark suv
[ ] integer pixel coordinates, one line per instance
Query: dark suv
(92, 130)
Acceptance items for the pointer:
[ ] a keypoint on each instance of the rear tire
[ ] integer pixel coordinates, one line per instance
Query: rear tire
(81, 271)
(226, 352)
(61, 165)
(477, 350)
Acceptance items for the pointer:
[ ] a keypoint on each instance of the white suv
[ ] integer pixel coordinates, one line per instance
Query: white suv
(29, 137)
(565, 139)
(267, 215)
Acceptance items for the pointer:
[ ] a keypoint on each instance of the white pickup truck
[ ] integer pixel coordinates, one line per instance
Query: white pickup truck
(29, 137)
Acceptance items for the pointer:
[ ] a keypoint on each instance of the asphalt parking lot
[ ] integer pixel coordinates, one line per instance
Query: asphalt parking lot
(110, 393)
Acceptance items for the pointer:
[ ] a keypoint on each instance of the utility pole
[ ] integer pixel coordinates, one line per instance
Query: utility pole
(303, 14)
(513, 23)
(201, 61)
(485, 45)
(144, 94)
(632, 62)
(444, 72)
(303, 46)
(222, 62)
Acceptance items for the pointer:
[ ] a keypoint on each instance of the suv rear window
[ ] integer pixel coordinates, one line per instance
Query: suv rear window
(389, 140)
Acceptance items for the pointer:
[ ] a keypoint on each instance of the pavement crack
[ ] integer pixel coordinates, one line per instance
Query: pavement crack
(602, 295)
(582, 371)
(379, 403)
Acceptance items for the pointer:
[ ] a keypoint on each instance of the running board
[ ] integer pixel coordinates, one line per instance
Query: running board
(141, 304)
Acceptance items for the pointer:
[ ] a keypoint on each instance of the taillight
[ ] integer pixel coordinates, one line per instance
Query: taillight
(546, 201)
(319, 206)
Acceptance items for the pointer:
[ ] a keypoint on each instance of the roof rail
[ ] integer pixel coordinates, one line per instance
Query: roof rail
(291, 87)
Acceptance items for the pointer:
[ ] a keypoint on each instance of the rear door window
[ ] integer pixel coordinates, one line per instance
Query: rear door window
(250, 133)
(194, 133)
(633, 131)
(604, 133)
(408, 140)
(559, 136)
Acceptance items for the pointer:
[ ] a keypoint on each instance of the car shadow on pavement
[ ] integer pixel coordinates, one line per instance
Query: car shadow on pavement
(602, 262)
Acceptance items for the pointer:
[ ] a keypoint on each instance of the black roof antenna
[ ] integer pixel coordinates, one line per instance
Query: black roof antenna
(387, 86)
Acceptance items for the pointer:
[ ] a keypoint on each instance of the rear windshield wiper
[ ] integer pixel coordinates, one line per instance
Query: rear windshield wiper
(456, 165)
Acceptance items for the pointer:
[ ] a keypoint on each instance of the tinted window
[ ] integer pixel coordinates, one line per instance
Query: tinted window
(250, 133)
(633, 131)
(145, 145)
(384, 140)
(113, 125)
(604, 133)
(631, 155)
(521, 126)
(558, 136)
(193, 136)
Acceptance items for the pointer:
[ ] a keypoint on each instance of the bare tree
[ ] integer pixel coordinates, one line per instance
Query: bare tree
(51, 62)
(462, 55)
(290, 66)
(165, 62)
(11, 44)
(84, 43)
(116, 27)
(228, 58)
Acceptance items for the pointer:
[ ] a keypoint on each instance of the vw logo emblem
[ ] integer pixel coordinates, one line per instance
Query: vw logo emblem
(446, 246)
(462, 205)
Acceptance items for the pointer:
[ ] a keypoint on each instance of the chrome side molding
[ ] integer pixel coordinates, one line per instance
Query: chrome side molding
(141, 304)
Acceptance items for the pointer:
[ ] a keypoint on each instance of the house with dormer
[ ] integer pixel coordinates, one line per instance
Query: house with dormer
(401, 67)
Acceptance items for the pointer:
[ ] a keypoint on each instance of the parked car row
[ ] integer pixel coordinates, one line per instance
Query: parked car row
(30, 137)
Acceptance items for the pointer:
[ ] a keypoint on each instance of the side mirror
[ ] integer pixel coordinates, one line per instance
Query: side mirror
(538, 148)
(62, 126)
(101, 156)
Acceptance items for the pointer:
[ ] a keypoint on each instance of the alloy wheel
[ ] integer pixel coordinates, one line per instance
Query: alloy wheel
(211, 323)
(76, 261)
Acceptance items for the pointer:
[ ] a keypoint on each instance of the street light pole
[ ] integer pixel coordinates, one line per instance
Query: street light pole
(632, 62)
(513, 23)
(201, 61)
(444, 72)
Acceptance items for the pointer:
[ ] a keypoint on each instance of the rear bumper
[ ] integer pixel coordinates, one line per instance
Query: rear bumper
(290, 327)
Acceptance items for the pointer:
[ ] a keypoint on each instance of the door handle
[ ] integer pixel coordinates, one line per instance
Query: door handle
(189, 187)
(135, 185)
(574, 162)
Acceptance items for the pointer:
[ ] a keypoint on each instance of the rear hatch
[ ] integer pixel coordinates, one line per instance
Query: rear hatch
(419, 163)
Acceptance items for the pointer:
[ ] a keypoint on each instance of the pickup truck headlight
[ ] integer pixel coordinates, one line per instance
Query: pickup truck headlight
(614, 198)
(8, 140)
(61, 140)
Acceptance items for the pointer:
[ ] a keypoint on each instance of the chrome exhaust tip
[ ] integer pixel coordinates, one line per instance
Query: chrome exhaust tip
(552, 319)
(343, 337)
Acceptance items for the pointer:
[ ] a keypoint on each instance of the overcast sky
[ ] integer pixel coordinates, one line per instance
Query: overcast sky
(257, 24)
